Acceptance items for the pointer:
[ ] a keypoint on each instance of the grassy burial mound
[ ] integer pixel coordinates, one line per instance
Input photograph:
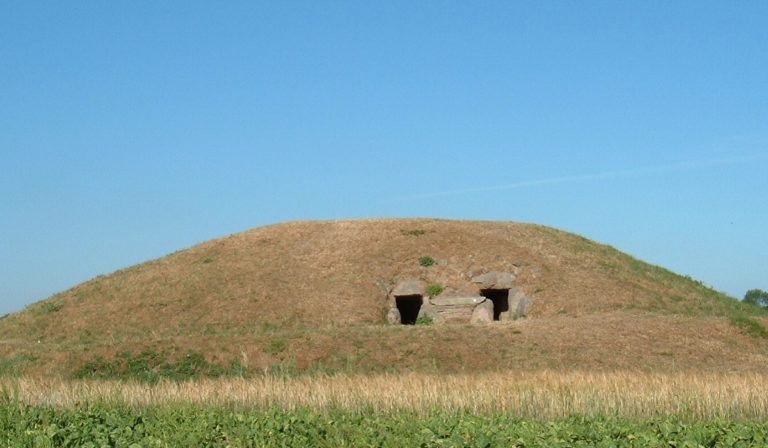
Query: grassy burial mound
(316, 296)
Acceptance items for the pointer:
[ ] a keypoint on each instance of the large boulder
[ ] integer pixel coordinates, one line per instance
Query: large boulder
(393, 316)
(518, 303)
(494, 280)
(483, 313)
(429, 311)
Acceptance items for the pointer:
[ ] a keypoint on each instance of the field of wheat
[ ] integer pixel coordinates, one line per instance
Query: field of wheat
(539, 395)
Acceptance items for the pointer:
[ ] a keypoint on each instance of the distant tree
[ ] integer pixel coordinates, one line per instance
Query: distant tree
(757, 297)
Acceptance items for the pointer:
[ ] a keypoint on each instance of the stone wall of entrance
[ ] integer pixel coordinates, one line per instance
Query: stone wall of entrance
(463, 308)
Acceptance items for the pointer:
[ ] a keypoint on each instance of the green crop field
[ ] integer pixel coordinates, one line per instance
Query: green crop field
(186, 425)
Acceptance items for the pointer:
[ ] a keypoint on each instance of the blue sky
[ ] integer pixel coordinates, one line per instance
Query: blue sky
(129, 130)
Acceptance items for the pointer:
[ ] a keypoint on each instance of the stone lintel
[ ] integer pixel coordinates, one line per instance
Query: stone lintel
(494, 280)
(409, 287)
(457, 301)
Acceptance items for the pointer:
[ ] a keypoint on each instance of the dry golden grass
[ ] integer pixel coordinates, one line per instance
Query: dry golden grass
(539, 395)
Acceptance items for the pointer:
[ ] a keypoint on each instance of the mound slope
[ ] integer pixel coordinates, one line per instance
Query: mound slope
(322, 281)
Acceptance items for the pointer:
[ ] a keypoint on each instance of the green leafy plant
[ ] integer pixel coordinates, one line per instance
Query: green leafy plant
(424, 320)
(426, 261)
(115, 424)
(434, 289)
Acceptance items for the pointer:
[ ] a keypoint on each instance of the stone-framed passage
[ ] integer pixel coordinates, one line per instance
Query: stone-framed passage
(500, 299)
(409, 307)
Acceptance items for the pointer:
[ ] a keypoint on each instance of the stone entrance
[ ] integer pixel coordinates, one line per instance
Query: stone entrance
(495, 298)
(499, 289)
(406, 302)
(409, 307)
(500, 300)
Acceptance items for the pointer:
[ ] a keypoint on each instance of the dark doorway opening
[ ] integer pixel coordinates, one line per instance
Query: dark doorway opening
(409, 307)
(500, 299)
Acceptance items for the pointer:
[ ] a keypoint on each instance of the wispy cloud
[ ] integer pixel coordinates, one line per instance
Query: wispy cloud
(590, 177)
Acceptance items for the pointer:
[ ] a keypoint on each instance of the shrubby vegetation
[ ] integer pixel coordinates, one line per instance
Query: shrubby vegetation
(757, 297)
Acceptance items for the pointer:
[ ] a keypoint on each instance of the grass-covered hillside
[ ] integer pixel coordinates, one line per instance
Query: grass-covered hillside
(312, 296)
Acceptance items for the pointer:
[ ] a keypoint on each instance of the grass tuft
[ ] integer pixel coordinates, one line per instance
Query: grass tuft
(424, 320)
(434, 289)
(413, 232)
(426, 261)
(277, 346)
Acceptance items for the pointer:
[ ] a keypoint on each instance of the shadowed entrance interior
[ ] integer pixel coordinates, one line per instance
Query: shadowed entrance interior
(409, 307)
(500, 299)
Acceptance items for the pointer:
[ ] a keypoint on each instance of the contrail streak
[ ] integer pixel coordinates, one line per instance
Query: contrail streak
(616, 174)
